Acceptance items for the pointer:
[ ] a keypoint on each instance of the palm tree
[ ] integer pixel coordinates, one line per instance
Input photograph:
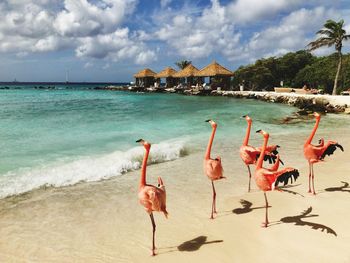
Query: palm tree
(332, 34)
(183, 63)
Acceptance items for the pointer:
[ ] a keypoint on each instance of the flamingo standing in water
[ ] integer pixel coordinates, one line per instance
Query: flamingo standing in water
(268, 179)
(250, 154)
(316, 153)
(212, 167)
(153, 198)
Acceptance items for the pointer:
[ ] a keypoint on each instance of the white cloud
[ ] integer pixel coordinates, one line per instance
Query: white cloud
(116, 46)
(199, 36)
(82, 18)
(88, 65)
(294, 32)
(98, 29)
(164, 3)
(243, 11)
(93, 29)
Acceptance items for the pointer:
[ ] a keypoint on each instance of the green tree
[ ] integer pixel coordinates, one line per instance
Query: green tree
(319, 75)
(333, 33)
(183, 63)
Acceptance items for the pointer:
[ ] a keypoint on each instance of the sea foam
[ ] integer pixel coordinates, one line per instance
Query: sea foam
(88, 169)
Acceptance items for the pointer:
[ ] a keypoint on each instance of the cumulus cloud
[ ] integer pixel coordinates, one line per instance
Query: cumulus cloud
(116, 46)
(243, 11)
(102, 29)
(82, 18)
(200, 36)
(294, 32)
(164, 3)
(94, 29)
(88, 65)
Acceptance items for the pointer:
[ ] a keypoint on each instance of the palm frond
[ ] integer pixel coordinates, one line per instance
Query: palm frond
(321, 42)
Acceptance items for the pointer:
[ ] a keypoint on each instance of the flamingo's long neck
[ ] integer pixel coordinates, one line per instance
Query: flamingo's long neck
(210, 143)
(262, 153)
(143, 169)
(246, 139)
(309, 140)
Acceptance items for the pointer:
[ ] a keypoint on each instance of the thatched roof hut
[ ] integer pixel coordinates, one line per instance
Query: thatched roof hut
(219, 76)
(189, 71)
(145, 78)
(214, 69)
(145, 73)
(168, 74)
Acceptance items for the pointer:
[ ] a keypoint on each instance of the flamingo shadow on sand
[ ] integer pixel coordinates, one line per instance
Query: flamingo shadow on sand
(298, 221)
(247, 207)
(190, 245)
(286, 189)
(196, 243)
(344, 188)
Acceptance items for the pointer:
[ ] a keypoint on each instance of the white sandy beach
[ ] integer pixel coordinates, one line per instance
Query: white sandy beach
(103, 222)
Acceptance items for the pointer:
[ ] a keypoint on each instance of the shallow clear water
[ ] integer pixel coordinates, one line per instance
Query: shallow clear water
(61, 137)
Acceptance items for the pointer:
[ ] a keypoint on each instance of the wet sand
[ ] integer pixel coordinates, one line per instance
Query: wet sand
(103, 222)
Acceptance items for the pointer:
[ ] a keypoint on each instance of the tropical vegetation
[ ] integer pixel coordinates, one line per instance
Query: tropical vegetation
(296, 69)
(332, 33)
(183, 63)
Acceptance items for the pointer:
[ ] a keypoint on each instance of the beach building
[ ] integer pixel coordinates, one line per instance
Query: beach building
(189, 74)
(219, 76)
(145, 78)
(168, 74)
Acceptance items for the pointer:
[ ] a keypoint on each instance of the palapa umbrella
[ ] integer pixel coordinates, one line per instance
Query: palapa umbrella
(168, 74)
(145, 77)
(221, 74)
(214, 69)
(189, 71)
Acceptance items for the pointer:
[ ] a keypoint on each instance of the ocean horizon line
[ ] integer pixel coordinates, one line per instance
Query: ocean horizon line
(60, 83)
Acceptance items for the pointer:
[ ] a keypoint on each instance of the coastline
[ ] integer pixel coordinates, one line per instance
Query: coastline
(103, 222)
(307, 102)
(324, 103)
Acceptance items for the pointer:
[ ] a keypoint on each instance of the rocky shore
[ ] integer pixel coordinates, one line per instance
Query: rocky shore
(307, 103)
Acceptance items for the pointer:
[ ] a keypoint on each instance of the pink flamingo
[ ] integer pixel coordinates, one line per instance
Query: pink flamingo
(250, 154)
(153, 198)
(268, 179)
(212, 167)
(316, 153)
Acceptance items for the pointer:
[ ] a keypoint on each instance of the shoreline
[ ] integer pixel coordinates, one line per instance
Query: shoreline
(305, 102)
(309, 102)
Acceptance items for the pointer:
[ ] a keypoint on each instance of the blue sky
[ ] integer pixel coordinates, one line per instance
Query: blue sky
(110, 40)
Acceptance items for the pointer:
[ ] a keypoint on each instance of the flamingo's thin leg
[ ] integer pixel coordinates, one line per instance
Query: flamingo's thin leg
(154, 232)
(313, 177)
(250, 176)
(309, 191)
(213, 207)
(266, 211)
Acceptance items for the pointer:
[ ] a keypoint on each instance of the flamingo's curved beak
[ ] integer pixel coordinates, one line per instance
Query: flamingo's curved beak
(258, 131)
(140, 140)
(207, 120)
(160, 181)
(244, 116)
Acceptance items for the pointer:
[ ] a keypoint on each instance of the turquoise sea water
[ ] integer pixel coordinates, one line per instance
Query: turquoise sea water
(61, 137)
